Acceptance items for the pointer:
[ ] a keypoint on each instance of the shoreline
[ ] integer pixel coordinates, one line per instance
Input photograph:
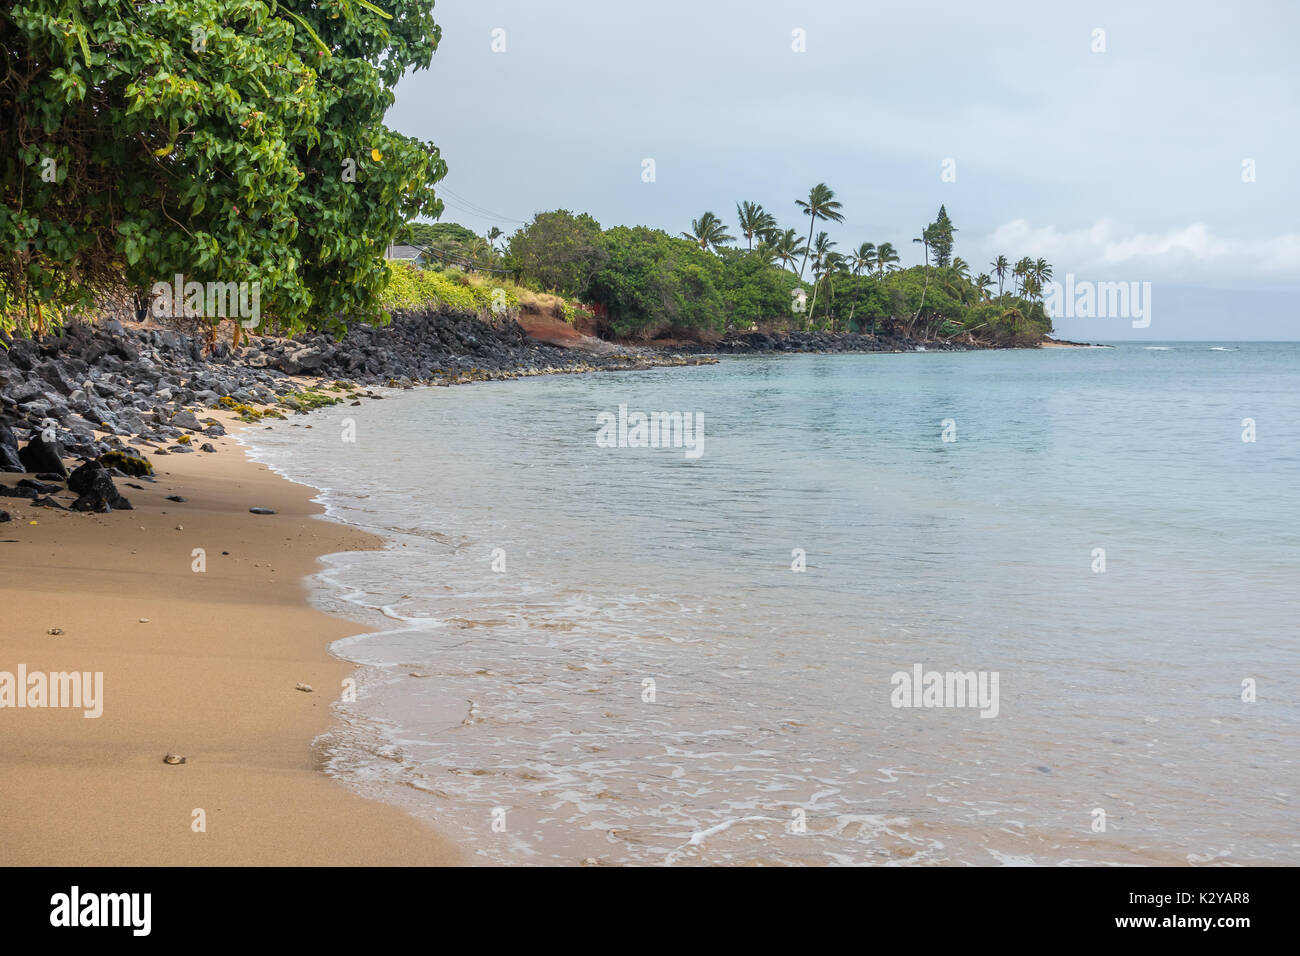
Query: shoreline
(201, 664)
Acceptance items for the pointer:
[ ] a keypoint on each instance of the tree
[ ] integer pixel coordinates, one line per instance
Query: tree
(788, 248)
(221, 140)
(863, 258)
(558, 250)
(754, 221)
(1042, 273)
(941, 231)
(926, 239)
(708, 231)
(821, 205)
(820, 250)
(1023, 270)
(493, 235)
(983, 282)
(1000, 267)
(886, 257)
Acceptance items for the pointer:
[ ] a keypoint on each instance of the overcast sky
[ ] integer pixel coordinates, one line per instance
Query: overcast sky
(1122, 165)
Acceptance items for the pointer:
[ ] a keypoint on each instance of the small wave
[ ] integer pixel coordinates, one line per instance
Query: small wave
(1157, 348)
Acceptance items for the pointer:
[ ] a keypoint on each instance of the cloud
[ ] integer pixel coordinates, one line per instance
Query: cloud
(1191, 252)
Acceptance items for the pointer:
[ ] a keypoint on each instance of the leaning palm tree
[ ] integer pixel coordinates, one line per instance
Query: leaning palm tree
(924, 240)
(754, 221)
(961, 267)
(788, 247)
(1042, 273)
(821, 204)
(1000, 267)
(886, 256)
(983, 282)
(708, 231)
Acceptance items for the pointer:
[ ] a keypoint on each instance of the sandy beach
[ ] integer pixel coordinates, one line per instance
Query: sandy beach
(201, 664)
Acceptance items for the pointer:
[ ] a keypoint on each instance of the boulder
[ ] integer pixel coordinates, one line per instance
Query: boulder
(96, 489)
(9, 460)
(40, 455)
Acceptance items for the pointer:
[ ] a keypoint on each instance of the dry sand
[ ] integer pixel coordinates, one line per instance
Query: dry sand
(211, 675)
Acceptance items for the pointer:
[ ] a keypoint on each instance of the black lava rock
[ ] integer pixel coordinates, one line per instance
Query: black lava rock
(42, 456)
(9, 457)
(95, 486)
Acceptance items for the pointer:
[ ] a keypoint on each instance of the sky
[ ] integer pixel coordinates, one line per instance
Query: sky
(1137, 142)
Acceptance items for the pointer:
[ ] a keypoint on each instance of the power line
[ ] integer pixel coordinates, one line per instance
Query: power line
(476, 208)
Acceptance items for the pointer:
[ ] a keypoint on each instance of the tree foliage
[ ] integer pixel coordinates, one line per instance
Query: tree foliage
(558, 250)
(224, 140)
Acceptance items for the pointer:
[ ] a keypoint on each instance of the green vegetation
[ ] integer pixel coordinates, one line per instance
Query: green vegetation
(224, 140)
(647, 283)
(308, 399)
(131, 465)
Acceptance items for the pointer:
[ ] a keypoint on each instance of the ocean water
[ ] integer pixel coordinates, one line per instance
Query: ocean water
(582, 653)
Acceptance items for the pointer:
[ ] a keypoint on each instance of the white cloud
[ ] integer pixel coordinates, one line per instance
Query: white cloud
(1191, 252)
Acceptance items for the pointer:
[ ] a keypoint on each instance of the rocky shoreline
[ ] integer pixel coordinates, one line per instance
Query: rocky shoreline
(758, 343)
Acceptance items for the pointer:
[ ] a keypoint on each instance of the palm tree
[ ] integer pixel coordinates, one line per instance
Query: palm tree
(708, 231)
(1023, 269)
(766, 252)
(820, 250)
(787, 247)
(493, 235)
(821, 204)
(886, 256)
(863, 258)
(754, 221)
(832, 262)
(1042, 273)
(983, 282)
(1000, 266)
(924, 240)
(961, 267)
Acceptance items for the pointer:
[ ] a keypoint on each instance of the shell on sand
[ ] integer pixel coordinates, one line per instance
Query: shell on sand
(173, 759)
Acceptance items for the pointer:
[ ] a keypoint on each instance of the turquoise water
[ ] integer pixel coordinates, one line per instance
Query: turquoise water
(535, 582)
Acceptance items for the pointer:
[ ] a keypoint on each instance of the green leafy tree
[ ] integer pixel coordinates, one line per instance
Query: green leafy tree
(557, 250)
(224, 140)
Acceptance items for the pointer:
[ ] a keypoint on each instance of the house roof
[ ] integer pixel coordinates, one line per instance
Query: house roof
(404, 252)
